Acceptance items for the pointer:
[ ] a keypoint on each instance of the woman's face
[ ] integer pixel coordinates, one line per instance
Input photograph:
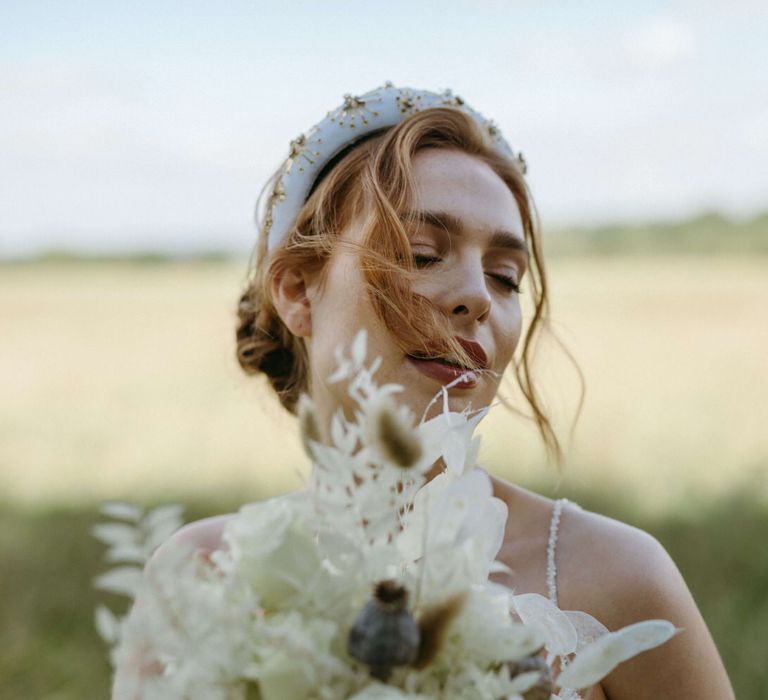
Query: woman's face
(470, 254)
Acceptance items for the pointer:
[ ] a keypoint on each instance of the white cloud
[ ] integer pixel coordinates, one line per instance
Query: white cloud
(660, 42)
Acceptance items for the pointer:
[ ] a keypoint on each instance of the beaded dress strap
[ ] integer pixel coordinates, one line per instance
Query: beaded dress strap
(554, 524)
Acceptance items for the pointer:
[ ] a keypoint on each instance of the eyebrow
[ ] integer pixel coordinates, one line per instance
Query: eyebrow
(453, 224)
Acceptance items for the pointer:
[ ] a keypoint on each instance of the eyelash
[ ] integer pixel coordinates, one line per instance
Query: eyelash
(421, 261)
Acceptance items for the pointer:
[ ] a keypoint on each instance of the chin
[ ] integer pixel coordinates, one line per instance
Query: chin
(458, 401)
(422, 390)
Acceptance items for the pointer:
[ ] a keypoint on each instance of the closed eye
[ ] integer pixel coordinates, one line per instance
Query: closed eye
(425, 260)
(506, 282)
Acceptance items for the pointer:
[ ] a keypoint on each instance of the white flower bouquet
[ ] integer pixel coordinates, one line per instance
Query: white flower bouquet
(371, 583)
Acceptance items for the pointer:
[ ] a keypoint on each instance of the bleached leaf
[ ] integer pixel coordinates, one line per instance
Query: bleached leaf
(171, 512)
(123, 580)
(450, 435)
(115, 534)
(127, 553)
(380, 691)
(120, 510)
(375, 365)
(523, 682)
(389, 389)
(161, 523)
(343, 438)
(559, 633)
(600, 658)
(343, 371)
(107, 624)
(309, 426)
(498, 567)
(359, 348)
(587, 627)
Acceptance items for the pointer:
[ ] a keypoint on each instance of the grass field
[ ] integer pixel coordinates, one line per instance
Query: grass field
(119, 381)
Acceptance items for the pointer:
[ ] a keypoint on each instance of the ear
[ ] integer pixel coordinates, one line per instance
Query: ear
(289, 295)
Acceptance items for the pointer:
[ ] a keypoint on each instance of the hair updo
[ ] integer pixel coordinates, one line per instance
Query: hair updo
(374, 180)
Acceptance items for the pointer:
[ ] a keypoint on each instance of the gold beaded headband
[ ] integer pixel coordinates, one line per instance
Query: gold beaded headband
(314, 152)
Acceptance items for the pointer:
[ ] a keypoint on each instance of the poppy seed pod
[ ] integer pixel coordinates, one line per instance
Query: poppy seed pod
(384, 634)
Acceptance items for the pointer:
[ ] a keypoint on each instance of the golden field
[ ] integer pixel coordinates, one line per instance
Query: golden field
(119, 381)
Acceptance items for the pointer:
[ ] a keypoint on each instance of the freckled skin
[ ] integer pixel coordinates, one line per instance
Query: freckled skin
(460, 284)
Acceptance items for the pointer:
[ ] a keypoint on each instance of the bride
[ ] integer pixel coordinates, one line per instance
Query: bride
(406, 213)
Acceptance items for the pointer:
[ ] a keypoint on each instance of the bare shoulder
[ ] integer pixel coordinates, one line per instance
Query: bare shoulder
(622, 575)
(636, 573)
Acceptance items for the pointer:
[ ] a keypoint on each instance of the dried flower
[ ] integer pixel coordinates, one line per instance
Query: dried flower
(433, 626)
(392, 433)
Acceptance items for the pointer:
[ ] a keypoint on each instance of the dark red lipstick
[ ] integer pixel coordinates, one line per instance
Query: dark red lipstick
(475, 351)
(446, 371)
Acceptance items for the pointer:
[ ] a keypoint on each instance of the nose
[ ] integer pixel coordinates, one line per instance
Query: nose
(467, 298)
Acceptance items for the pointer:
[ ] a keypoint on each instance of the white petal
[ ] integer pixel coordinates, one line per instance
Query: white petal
(599, 659)
(558, 630)
(454, 452)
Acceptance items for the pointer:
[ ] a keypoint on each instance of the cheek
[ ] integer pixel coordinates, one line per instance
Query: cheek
(338, 313)
(510, 331)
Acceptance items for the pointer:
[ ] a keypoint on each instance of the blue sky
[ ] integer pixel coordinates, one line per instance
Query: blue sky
(135, 125)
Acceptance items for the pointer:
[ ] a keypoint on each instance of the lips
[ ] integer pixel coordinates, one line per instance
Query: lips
(475, 352)
(446, 372)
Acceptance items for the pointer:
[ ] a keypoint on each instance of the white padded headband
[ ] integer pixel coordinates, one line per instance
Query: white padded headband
(357, 117)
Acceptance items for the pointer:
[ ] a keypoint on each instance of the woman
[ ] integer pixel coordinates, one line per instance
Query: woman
(407, 214)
